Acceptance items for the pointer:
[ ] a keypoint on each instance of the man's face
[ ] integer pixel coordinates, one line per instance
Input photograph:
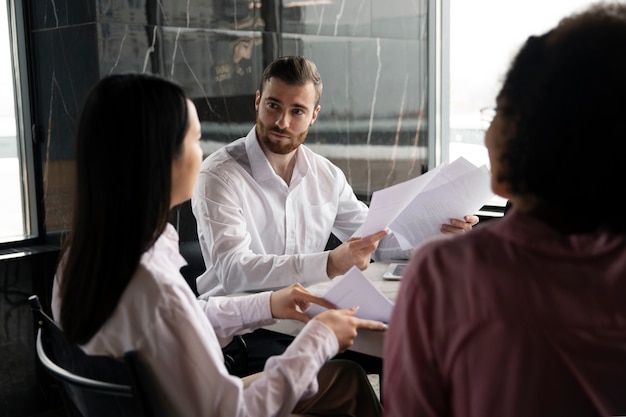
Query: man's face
(284, 114)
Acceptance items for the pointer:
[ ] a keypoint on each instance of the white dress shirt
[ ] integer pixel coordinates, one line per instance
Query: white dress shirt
(180, 338)
(257, 233)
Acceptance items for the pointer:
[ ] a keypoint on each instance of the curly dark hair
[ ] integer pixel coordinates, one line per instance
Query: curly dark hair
(565, 98)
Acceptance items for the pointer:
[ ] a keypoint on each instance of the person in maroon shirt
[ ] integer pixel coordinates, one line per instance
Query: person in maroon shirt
(526, 315)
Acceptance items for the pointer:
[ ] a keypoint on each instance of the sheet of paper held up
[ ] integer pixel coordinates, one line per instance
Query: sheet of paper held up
(355, 289)
(414, 210)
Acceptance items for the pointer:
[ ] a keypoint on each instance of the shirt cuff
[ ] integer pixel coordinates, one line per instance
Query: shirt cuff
(260, 309)
(314, 268)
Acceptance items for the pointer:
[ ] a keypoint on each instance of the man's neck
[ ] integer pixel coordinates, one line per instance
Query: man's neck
(283, 165)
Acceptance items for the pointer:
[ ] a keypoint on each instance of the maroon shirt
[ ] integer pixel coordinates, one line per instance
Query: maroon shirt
(511, 319)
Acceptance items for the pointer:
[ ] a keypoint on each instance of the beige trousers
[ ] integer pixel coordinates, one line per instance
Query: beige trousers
(344, 390)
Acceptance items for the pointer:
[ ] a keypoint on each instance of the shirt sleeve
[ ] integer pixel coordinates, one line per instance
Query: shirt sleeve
(351, 214)
(188, 364)
(412, 382)
(235, 315)
(296, 368)
(224, 239)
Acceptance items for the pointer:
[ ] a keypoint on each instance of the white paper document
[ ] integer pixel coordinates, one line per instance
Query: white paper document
(355, 289)
(414, 210)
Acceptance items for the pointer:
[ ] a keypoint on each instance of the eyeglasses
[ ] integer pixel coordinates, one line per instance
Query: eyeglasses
(486, 116)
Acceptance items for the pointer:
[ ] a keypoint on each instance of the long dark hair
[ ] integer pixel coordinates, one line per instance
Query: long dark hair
(131, 128)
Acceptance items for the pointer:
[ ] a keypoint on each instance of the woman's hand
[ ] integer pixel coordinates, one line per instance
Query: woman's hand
(457, 226)
(345, 325)
(291, 301)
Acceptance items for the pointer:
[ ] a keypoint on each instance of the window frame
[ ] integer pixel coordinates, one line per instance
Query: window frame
(28, 161)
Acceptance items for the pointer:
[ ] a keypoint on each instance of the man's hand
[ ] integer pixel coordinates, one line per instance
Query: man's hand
(291, 301)
(345, 325)
(458, 227)
(355, 251)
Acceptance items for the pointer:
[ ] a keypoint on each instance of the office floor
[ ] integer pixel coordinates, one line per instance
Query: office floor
(21, 392)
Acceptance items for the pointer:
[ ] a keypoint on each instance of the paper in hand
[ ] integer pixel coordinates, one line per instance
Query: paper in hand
(415, 210)
(355, 289)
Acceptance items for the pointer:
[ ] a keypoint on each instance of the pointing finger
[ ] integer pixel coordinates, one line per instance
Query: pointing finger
(370, 324)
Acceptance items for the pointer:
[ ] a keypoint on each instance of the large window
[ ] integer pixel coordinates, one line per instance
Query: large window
(395, 71)
(483, 37)
(11, 218)
(18, 214)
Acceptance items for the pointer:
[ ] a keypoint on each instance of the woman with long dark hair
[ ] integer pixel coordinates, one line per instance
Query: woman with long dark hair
(118, 285)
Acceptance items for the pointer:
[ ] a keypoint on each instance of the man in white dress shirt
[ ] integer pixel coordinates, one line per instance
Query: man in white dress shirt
(266, 204)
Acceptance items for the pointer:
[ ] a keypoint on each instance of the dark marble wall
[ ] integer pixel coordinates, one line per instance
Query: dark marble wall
(371, 54)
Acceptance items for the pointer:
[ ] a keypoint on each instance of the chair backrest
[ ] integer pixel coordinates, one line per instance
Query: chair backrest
(184, 221)
(93, 385)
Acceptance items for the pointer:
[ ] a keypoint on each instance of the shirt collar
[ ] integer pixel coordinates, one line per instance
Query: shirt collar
(167, 243)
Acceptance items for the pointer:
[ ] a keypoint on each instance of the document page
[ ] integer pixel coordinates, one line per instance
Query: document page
(415, 210)
(355, 289)
(424, 216)
(388, 203)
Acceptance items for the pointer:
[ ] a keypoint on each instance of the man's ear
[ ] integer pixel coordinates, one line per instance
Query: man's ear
(257, 100)
(315, 112)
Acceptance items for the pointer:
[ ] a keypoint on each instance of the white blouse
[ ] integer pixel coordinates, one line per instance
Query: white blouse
(181, 337)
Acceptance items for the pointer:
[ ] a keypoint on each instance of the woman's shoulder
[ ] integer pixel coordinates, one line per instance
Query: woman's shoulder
(157, 281)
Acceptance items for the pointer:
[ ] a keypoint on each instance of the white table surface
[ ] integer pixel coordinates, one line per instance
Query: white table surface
(367, 341)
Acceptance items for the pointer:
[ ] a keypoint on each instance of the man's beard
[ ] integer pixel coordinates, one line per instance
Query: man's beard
(281, 147)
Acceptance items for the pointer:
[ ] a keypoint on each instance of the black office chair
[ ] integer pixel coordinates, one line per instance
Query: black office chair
(184, 221)
(93, 385)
